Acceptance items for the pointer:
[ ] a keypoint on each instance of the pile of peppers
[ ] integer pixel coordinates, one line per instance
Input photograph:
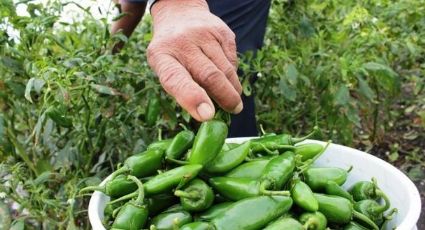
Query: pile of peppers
(199, 182)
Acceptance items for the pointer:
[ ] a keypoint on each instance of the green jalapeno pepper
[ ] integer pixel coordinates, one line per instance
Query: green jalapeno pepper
(197, 226)
(153, 110)
(170, 220)
(162, 144)
(252, 213)
(58, 115)
(339, 210)
(180, 144)
(354, 226)
(365, 190)
(314, 221)
(303, 196)
(276, 142)
(278, 171)
(373, 209)
(157, 203)
(332, 188)
(317, 178)
(142, 164)
(253, 170)
(116, 187)
(226, 160)
(308, 151)
(208, 142)
(240, 188)
(285, 223)
(214, 211)
(134, 214)
(197, 196)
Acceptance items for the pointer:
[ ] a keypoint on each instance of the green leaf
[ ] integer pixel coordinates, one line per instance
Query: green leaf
(288, 92)
(28, 89)
(365, 90)
(385, 76)
(18, 225)
(292, 74)
(105, 90)
(2, 129)
(5, 216)
(342, 96)
(416, 173)
(42, 178)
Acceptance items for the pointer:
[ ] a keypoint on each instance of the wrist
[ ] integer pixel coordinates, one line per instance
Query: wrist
(162, 5)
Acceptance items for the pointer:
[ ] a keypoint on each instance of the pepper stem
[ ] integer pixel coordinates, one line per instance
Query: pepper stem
(179, 162)
(311, 222)
(126, 197)
(264, 191)
(309, 162)
(120, 171)
(188, 195)
(141, 189)
(386, 206)
(350, 168)
(267, 149)
(93, 188)
(295, 140)
(365, 219)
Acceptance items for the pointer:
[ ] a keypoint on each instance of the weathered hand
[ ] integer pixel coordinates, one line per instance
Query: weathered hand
(194, 54)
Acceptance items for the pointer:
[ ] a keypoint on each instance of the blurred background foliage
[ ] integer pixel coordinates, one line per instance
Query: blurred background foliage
(70, 109)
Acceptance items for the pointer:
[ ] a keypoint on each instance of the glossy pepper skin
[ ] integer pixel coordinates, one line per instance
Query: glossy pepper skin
(303, 196)
(133, 215)
(365, 190)
(278, 171)
(114, 188)
(196, 196)
(252, 170)
(171, 220)
(158, 203)
(162, 144)
(197, 226)
(227, 160)
(214, 211)
(354, 226)
(314, 221)
(373, 209)
(153, 110)
(208, 142)
(308, 151)
(243, 215)
(317, 178)
(332, 188)
(180, 144)
(170, 179)
(240, 188)
(285, 223)
(142, 164)
(339, 210)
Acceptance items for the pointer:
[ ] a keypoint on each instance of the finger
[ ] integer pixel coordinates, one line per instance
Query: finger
(176, 81)
(227, 40)
(215, 53)
(206, 74)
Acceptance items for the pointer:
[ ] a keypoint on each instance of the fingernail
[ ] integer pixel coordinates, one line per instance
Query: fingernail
(205, 111)
(238, 108)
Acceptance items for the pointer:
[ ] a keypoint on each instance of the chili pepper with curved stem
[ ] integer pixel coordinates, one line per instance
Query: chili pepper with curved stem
(277, 142)
(253, 169)
(134, 214)
(180, 144)
(317, 178)
(354, 226)
(197, 226)
(303, 196)
(372, 209)
(285, 223)
(162, 144)
(197, 196)
(153, 110)
(143, 164)
(332, 188)
(214, 211)
(116, 187)
(365, 190)
(339, 210)
(313, 221)
(308, 151)
(240, 188)
(242, 215)
(278, 171)
(226, 160)
(208, 142)
(170, 220)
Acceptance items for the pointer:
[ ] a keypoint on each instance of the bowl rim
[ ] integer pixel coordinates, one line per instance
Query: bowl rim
(408, 223)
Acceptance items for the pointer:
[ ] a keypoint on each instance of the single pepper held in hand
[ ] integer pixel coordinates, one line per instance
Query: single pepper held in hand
(197, 196)
(134, 214)
(208, 142)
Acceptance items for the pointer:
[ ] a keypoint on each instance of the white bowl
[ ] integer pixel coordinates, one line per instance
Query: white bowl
(400, 189)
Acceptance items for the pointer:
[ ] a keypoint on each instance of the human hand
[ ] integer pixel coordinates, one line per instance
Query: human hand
(194, 54)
